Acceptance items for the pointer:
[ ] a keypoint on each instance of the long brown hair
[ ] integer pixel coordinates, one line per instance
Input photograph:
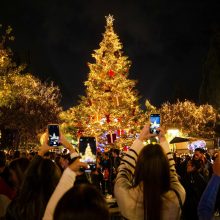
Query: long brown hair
(152, 170)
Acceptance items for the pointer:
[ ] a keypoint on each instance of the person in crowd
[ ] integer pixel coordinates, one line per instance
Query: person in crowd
(6, 190)
(182, 167)
(82, 202)
(207, 202)
(57, 161)
(106, 170)
(4, 202)
(206, 169)
(64, 161)
(6, 187)
(17, 154)
(147, 186)
(17, 170)
(194, 184)
(2, 161)
(31, 155)
(116, 160)
(39, 183)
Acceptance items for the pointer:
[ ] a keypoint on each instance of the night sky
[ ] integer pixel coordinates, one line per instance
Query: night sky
(167, 42)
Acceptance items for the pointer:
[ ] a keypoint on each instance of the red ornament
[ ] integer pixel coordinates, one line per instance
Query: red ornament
(79, 133)
(125, 148)
(111, 73)
(107, 118)
(120, 132)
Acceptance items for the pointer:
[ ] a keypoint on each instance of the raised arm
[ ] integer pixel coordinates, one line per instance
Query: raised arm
(66, 182)
(174, 181)
(128, 162)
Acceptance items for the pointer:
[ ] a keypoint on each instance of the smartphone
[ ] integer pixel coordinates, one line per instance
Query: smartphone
(154, 123)
(54, 135)
(87, 151)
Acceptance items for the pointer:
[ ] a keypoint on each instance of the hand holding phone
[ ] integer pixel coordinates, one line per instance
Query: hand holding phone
(78, 167)
(53, 135)
(154, 123)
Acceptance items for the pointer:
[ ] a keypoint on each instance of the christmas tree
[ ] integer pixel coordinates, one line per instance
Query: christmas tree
(111, 102)
(88, 156)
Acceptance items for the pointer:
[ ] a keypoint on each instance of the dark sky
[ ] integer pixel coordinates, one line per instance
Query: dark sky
(167, 41)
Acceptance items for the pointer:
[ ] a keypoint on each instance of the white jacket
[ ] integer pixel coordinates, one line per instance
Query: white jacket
(130, 199)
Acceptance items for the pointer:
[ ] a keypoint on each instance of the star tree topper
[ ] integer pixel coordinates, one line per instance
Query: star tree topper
(109, 20)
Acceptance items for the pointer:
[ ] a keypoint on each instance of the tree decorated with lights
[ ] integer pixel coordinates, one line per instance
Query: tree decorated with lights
(111, 102)
(27, 105)
(192, 120)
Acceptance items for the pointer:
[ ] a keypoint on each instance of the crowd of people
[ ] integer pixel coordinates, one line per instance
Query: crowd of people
(148, 182)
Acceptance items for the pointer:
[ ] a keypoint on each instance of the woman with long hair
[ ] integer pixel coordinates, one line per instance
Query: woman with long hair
(39, 182)
(82, 202)
(147, 186)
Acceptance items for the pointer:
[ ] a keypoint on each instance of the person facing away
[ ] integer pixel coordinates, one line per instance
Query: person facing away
(17, 168)
(82, 202)
(39, 182)
(147, 186)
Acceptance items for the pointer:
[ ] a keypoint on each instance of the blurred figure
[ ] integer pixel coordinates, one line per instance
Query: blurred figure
(17, 170)
(206, 169)
(2, 161)
(6, 190)
(194, 184)
(116, 160)
(106, 167)
(39, 183)
(17, 154)
(64, 161)
(82, 202)
(6, 187)
(207, 202)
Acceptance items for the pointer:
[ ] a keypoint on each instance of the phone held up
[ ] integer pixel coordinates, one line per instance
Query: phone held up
(54, 135)
(87, 151)
(154, 123)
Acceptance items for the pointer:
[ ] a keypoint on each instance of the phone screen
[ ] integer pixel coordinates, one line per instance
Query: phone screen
(154, 123)
(54, 135)
(87, 151)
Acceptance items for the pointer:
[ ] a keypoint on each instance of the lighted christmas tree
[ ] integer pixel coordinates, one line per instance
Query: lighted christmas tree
(111, 102)
(88, 156)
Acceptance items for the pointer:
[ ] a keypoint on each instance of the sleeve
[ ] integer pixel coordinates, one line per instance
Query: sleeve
(207, 202)
(66, 182)
(175, 184)
(128, 163)
(124, 177)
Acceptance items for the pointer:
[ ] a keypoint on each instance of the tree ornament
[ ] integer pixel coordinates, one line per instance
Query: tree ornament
(111, 73)
(117, 100)
(103, 54)
(79, 133)
(89, 102)
(111, 138)
(107, 89)
(107, 118)
(120, 132)
(116, 53)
